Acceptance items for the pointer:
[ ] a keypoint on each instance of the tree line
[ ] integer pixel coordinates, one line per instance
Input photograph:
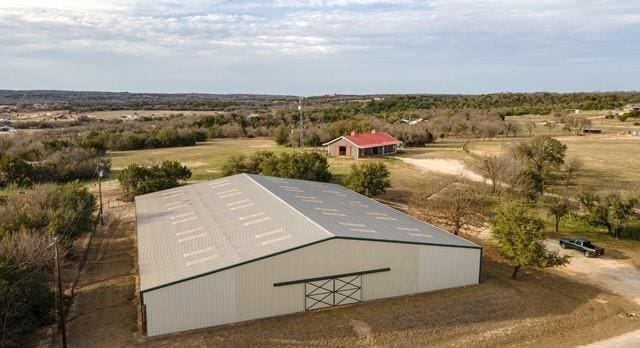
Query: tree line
(36, 159)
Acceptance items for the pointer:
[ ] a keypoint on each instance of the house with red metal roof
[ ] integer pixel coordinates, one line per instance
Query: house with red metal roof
(363, 145)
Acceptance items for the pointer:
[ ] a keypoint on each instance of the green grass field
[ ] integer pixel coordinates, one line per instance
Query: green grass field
(611, 163)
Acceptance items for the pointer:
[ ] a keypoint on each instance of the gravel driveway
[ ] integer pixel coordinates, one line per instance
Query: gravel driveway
(614, 275)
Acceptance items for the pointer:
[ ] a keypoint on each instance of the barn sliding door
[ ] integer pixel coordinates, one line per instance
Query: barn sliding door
(332, 292)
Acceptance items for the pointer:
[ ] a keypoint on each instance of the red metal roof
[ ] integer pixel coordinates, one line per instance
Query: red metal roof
(372, 140)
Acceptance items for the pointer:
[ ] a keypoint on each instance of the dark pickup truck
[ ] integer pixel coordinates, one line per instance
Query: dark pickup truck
(582, 245)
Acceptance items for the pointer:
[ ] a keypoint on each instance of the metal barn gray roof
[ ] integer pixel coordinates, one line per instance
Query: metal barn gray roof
(198, 229)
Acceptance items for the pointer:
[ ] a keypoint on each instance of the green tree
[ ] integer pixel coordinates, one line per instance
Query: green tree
(520, 238)
(369, 178)
(610, 211)
(281, 135)
(557, 208)
(540, 157)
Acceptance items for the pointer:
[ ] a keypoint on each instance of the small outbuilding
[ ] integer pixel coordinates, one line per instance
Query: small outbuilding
(363, 145)
(248, 246)
(635, 132)
(591, 130)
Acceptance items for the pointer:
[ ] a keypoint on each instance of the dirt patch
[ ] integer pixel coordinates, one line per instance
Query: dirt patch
(362, 329)
(541, 309)
(443, 166)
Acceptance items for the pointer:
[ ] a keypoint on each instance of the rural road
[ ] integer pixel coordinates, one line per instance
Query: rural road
(614, 275)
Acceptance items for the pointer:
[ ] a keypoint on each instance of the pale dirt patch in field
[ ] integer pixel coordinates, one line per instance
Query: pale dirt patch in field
(443, 166)
(195, 164)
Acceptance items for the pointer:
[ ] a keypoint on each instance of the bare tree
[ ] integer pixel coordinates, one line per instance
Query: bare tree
(530, 127)
(510, 127)
(493, 169)
(458, 206)
(572, 167)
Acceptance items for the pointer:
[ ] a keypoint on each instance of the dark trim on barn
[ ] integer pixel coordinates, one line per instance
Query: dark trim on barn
(480, 268)
(410, 242)
(299, 281)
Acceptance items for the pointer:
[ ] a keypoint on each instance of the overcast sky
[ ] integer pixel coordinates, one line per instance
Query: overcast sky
(320, 46)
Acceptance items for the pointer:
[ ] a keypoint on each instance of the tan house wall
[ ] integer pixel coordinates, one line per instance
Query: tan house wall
(350, 149)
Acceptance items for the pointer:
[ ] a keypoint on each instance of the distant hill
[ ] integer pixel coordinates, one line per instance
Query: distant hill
(509, 103)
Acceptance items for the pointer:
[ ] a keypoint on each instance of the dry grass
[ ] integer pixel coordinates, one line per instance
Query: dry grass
(610, 162)
(205, 159)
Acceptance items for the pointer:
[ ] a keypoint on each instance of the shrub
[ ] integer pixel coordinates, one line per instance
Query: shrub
(236, 164)
(15, 171)
(281, 135)
(70, 164)
(297, 165)
(369, 179)
(26, 300)
(137, 180)
(62, 210)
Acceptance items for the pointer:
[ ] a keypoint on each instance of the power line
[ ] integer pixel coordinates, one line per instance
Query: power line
(301, 123)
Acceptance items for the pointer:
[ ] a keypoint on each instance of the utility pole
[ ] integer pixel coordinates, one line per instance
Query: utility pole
(100, 175)
(301, 123)
(60, 297)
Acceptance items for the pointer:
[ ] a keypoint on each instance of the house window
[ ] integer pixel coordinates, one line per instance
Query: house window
(342, 150)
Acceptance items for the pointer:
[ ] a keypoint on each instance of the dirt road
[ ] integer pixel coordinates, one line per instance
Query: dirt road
(614, 275)
(104, 309)
(443, 166)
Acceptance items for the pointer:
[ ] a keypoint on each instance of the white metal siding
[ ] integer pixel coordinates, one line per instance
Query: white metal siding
(246, 292)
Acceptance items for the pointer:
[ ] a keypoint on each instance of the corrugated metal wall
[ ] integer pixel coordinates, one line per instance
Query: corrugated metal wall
(247, 292)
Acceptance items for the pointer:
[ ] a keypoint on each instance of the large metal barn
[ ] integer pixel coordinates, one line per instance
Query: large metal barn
(248, 246)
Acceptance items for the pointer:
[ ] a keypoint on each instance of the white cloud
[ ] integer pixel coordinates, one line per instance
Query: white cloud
(372, 33)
